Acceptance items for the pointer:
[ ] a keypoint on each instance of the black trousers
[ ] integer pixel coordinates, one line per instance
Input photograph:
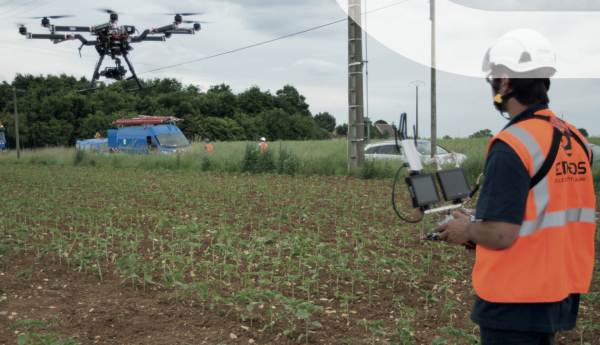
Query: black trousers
(491, 336)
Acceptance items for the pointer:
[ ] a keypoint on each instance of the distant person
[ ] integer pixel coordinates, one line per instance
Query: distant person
(208, 148)
(263, 145)
(536, 212)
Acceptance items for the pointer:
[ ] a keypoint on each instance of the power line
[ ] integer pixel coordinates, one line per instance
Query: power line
(31, 9)
(1, 14)
(7, 2)
(269, 41)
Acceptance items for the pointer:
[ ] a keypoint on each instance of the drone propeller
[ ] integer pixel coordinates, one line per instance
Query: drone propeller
(185, 14)
(193, 22)
(52, 17)
(114, 16)
(106, 10)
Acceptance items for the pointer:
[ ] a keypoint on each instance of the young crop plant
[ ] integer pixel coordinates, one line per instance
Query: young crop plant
(47, 339)
(371, 283)
(171, 278)
(374, 327)
(429, 297)
(272, 297)
(304, 312)
(27, 272)
(457, 334)
(291, 308)
(405, 333)
(585, 325)
(346, 298)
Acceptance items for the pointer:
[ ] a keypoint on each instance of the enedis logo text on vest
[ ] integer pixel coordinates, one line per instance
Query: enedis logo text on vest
(568, 168)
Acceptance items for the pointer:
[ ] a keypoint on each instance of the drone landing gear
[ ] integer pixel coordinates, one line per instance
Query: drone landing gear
(134, 76)
(116, 73)
(94, 76)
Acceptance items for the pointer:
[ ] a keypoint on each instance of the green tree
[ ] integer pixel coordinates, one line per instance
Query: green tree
(322, 134)
(342, 129)
(325, 121)
(291, 101)
(484, 133)
(381, 122)
(583, 132)
(52, 113)
(253, 101)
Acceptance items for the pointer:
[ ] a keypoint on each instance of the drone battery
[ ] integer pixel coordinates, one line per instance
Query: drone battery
(422, 190)
(454, 183)
(130, 29)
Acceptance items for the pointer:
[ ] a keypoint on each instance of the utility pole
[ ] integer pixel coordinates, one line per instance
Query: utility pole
(417, 83)
(356, 125)
(433, 84)
(367, 76)
(16, 123)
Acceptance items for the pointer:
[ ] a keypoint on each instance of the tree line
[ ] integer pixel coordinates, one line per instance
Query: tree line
(52, 113)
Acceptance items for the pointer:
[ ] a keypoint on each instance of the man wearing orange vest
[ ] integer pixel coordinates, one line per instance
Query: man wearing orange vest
(208, 148)
(536, 212)
(263, 145)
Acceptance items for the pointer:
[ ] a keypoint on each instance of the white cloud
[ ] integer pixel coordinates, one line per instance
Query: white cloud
(316, 67)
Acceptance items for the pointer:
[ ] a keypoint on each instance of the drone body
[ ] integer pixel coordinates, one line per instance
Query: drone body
(111, 40)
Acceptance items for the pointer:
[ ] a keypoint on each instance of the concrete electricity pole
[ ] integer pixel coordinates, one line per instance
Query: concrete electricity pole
(433, 84)
(417, 83)
(16, 123)
(356, 125)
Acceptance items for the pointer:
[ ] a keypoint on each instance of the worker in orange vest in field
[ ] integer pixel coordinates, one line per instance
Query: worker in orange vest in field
(263, 145)
(536, 213)
(208, 148)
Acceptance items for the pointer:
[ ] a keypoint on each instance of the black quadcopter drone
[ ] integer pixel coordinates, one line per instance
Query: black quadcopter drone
(111, 40)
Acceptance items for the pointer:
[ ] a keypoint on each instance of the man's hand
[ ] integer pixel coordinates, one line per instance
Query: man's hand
(455, 231)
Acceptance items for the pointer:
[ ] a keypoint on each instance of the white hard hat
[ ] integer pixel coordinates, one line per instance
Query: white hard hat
(522, 51)
(263, 139)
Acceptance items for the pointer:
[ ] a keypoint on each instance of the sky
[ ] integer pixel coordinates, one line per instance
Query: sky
(314, 62)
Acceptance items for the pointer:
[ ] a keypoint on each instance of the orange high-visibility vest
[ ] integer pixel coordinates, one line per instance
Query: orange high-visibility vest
(208, 148)
(263, 146)
(554, 253)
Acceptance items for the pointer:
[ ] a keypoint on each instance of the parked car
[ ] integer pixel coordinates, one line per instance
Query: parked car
(596, 162)
(387, 150)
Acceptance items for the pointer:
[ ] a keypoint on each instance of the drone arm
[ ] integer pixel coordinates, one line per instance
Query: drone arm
(46, 36)
(70, 28)
(84, 41)
(181, 31)
(149, 39)
(166, 28)
(140, 37)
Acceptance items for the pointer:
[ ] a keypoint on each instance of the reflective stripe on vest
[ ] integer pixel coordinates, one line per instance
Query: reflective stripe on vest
(554, 253)
(541, 194)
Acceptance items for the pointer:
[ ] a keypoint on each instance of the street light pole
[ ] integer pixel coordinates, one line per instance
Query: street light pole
(417, 83)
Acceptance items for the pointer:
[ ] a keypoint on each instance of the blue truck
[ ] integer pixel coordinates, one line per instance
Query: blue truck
(147, 134)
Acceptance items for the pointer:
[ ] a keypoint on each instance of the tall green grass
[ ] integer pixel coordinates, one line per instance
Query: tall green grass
(326, 158)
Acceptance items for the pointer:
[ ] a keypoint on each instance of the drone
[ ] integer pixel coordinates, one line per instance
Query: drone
(112, 40)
